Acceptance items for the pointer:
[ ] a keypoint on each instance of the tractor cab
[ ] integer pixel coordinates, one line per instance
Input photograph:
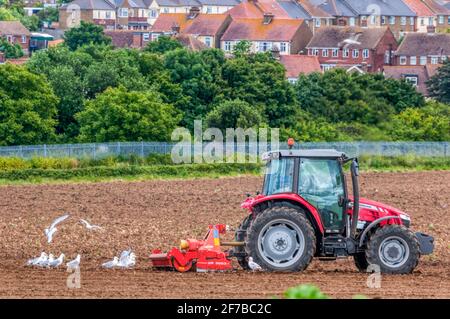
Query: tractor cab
(316, 176)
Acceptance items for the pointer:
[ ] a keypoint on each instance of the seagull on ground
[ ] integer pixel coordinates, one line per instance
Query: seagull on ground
(74, 264)
(56, 262)
(252, 265)
(124, 257)
(35, 261)
(49, 232)
(89, 226)
(111, 263)
(44, 262)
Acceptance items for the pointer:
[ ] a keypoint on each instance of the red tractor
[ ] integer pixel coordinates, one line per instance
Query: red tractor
(305, 211)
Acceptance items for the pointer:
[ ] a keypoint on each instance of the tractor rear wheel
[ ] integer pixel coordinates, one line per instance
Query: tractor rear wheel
(281, 239)
(394, 248)
(240, 235)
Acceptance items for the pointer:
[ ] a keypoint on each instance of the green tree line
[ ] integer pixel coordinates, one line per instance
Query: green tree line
(86, 91)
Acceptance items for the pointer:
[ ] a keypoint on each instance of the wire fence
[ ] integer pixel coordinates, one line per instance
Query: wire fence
(101, 150)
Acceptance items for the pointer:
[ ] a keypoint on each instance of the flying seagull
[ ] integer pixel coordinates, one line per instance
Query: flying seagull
(111, 264)
(37, 260)
(56, 262)
(49, 232)
(74, 264)
(89, 226)
(252, 265)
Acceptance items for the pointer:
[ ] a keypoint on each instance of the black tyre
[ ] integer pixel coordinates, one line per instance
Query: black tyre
(361, 261)
(240, 235)
(394, 248)
(281, 239)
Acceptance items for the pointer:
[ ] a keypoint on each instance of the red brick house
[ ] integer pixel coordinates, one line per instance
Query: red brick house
(423, 49)
(418, 75)
(15, 33)
(367, 49)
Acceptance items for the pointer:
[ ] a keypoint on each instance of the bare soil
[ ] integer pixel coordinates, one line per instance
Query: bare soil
(157, 214)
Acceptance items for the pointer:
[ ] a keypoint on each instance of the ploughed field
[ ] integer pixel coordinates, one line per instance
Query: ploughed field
(157, 214)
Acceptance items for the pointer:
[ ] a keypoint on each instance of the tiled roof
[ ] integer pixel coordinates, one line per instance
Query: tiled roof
(205, 24)
(333, 37)
(91, 4)
(256, 8)
(120, 38)
(422, 72)
(13, 28)
(256, 30)
(334, 7)
(314, 9)
(178, 3)
(438, 6)
(166, 21)
(419, 7)
(294, 10)
(219, 2)
(388, 8)
(297, 64)
(423, 44)
(191, 42)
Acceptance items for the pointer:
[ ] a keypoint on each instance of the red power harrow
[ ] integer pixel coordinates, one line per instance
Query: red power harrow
(202, 255)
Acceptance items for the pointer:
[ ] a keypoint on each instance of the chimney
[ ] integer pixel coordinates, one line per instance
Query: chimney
(193, 12)
(268, 16)
(431, 29)
(275, 52)
(175, 28)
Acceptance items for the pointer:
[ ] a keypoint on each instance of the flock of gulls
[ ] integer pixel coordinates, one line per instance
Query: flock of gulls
(127, 258)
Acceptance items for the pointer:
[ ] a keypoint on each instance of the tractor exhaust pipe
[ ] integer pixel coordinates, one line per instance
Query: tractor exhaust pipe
(354, 168)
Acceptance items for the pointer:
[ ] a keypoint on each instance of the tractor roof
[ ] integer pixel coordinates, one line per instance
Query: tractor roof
(324, 153)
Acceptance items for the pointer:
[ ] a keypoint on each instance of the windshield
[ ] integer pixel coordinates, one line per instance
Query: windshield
(279, 176)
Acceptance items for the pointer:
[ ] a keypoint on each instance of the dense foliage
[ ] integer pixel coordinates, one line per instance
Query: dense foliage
(106, 94)
(439, 84)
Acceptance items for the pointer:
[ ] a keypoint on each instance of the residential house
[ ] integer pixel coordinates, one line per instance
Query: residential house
(442, 13)
(417, 75)
(111, 14)
(207, 28)
(289, 36)
(217, 6)
(367, 49)
(255, 9)
(126, 38)
(426, 18)
(15, 33)
(39, 41)
(296, 64)
(423, 49)
(394, 14)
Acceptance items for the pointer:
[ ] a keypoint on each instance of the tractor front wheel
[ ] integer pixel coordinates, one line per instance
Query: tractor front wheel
(281, 239)
(394, 248)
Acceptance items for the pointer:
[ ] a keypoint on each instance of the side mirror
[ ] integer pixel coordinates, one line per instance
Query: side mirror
(355, 167)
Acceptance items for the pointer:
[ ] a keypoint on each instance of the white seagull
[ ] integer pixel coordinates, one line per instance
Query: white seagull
(111, 263)
(56, 262)
(123, 259)
(253, 266)
(128, 260)
(49, 232)
(35, 261)
(89, 226)
(74, 264)
(44, 262)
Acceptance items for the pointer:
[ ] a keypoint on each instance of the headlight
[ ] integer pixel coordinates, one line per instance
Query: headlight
(406, 220)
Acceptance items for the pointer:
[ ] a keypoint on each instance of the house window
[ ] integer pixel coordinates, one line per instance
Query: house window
(335, 53)
(373, 19)
(434, 60)
(403, 20)
(366, 53)
(145, 36)
(153, 13)
(209, 10)
(383, 20)
(24, 39)
(327, 67)
(448, 19)
(227, 46)
(441, 19)
(208, 41)
(123, 12)
(423, 60)
(413, 60)
(265, 46)
(403, 60)
(387, 57)
(324, 52)
(355, 53)
(155, 36)
(317, 22)
(283, 47)
(412, 79)
(411, 20)
(422, 22)
(165, 10)
(108, 14)
(392, 20)
(345, 53)
(351, 21)
(430, 21)
(9, 38)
